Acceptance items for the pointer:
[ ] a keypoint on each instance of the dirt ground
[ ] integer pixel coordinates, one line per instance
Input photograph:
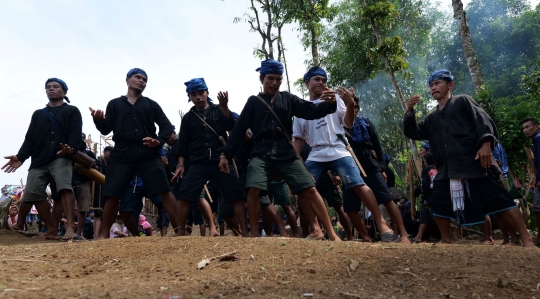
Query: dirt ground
(154, 267)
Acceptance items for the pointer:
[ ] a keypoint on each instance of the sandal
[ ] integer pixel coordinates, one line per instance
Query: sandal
(388, 237)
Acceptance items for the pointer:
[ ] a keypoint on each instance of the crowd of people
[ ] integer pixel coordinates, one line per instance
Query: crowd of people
(239, 167)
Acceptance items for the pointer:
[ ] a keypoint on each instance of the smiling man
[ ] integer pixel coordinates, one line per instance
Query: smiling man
(131, 119)
(53, 136)
(462, 137)
(272, 152)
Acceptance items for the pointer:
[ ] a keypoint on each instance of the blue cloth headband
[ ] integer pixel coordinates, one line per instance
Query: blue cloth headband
(440, 74)
(270, 66)
(136, 71)
(315, 71)
(425, 144)
(196, 84)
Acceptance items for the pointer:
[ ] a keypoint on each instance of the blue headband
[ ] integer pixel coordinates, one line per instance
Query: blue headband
(62, 84)
(196, 84)
(136, 71)
(315, 71)
(440, 74)
(235, 115)
(387, 157)
(173, 127)
(425, 144)
(270, 66)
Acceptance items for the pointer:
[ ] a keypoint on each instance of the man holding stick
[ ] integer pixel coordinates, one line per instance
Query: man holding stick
(329, 151)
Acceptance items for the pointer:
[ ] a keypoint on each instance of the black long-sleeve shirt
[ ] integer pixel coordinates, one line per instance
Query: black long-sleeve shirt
(455, 135)
(130, 123)
(372, 163)
(268, 140)
(42, 140)
(197, 142)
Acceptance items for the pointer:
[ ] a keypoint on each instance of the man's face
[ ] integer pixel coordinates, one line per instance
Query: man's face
(402, 202)
(529, 129)
(423, 152)
(137, 82)
(106, 155)
(440, 88)
(54, 91)
(271, 83)
(316, 85)
(199, 98)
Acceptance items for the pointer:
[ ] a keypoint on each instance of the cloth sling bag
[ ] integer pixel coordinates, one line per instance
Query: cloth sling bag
(287, 136)
(220, 139)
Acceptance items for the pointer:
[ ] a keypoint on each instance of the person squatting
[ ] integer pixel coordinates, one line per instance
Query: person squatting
(253, 158)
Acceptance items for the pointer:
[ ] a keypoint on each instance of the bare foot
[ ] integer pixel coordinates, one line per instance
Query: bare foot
(49, 235)
(17, 228)
(69, 235)
(404, 240)
(488, 241)
(315, 236)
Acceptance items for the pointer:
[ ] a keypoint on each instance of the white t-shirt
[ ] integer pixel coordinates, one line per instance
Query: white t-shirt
(321, 134)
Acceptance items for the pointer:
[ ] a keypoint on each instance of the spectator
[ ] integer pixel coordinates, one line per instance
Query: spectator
(13, 215)
(145, 225)
(118, 230)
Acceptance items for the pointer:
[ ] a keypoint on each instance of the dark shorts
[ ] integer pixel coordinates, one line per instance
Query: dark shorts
(487, 196)
(198, 174)
(119, 174)
(132, 200)
(261, 170)
(225, 209)
(375, 181)
(279, 193)
(195, 217)
(426, 217)
(328, 191)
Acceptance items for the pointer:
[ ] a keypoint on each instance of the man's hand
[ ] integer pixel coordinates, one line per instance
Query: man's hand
(346, 95)
(165, 161)
(64, 150)
(224, 165)
(178, 173)
(328, 96)
(412, 102)
(485, 155)
(384, 176)
(13, 164)
(223, 98)
(98, 115)
(150, 142)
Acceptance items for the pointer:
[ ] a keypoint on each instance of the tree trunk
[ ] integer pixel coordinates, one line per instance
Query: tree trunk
(392, 76)
(468, 47)
(314, 37)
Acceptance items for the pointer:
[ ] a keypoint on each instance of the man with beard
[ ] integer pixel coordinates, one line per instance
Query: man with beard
(132, 120)
(53, 136)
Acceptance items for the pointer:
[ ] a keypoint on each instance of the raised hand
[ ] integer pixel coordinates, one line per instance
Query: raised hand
(328, 95)
(223, 98)
(150, 142)
(97, 114)
(346, 95)
(64, 150)
(13, 164)
(412, 102)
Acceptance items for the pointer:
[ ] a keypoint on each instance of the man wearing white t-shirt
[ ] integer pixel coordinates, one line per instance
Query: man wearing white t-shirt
(329, 152)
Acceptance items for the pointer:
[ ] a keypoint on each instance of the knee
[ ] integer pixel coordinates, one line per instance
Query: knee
(310, 192)
(253, 192)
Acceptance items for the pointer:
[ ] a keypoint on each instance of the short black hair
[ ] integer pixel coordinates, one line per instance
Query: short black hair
(108, 148)
(534, 121)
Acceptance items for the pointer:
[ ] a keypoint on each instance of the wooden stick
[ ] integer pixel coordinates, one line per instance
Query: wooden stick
(208, 193)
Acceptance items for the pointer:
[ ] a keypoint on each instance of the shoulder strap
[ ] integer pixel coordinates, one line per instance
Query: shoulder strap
(209, 126)
(54, 121)
(283, 129)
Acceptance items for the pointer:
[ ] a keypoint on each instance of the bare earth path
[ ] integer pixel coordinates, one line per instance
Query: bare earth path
(156, 267)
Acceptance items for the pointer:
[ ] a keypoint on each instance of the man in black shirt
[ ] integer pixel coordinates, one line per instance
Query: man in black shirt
(462, 137)
(200, 146)
(53, 136)
(272, 152)
(132, 120)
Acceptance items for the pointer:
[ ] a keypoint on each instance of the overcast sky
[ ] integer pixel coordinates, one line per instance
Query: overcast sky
(92, 44)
